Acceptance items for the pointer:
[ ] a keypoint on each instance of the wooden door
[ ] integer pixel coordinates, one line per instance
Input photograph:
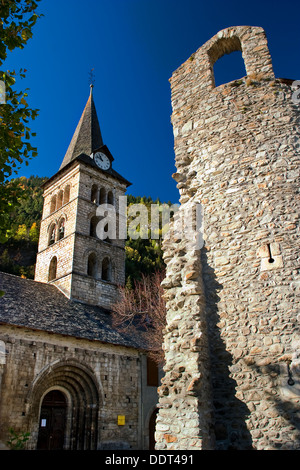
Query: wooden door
(52, 421)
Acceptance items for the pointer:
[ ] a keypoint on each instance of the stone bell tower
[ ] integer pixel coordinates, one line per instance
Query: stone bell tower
(232, 343)
(71, 255)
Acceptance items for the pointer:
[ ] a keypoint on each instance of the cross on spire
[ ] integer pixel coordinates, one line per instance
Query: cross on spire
(87, 136)
(92, 78)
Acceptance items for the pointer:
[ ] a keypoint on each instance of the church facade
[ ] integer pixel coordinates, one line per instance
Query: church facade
(67, 376)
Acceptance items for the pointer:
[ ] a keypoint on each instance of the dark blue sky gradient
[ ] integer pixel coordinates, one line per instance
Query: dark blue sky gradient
(133, 46)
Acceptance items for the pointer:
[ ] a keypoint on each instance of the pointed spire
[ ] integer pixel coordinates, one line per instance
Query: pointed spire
(87, 136)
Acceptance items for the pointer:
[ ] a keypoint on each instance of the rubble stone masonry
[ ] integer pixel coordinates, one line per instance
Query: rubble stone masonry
(232, 372)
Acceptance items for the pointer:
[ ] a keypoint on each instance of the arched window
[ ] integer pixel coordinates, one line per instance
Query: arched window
(105, 230)
(102, 198)
(53, 204)
(67, 194)
(106, 269)
(230, 67)
(60, 199)
(61, 229)
(52, 235)
(92, 265)
(94, 193)
(93, 226)
(52, 269)
(110, 198)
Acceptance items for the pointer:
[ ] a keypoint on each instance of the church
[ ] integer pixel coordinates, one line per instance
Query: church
(67, 376)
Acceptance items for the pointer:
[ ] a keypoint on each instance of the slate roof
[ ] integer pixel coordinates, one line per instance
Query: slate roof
(87, 136)
(86, 139)
(38, 306)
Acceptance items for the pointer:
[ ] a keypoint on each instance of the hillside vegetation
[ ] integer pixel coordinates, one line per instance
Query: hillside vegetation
(18, 254)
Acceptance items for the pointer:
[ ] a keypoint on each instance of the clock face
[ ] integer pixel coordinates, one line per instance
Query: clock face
(102, 160)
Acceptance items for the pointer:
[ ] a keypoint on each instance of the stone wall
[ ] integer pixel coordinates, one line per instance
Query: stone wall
(232, 338)
(73, 250)
(62, 249)
(99, 379)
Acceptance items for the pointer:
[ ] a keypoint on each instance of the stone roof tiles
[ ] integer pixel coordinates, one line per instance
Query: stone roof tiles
(39, 306)
(87, 136)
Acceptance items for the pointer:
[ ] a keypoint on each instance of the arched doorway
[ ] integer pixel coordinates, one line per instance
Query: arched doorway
(152, 423)
(77, 393)
(52, 421)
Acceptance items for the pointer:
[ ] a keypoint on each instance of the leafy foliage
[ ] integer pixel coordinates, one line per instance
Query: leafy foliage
(17, 440)
(143, 256)
(17, 18)
(29, 207)
(18, 253)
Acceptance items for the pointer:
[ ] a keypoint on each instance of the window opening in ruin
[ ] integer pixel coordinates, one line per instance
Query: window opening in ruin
(229, 67)
(52, 269)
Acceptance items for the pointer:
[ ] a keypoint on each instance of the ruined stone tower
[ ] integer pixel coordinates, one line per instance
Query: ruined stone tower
(71, 255)
(232, 338)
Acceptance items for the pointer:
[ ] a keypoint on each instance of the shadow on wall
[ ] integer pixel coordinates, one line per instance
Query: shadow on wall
(230, 414)
(286, 403)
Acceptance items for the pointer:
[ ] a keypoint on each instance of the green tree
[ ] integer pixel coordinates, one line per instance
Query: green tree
(21, 233)
(34, 233)
(17, 18)
(144, 256)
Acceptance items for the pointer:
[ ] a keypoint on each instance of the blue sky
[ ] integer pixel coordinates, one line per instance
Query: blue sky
(134, 46)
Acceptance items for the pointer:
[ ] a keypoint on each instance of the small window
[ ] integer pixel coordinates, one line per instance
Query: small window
(110, 198)
(229, 68)
(52, 235)
(102, 198)
(59, 199)
(106, 269)
(94, 193)
(226, 59)
(53, 204)
(52, 269)
(105, 231)
(61, 229)
(93, 226)
(92, 265)
(67, 194)
(152, 372)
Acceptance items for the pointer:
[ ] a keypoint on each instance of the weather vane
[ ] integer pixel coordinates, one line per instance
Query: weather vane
(92, 78)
